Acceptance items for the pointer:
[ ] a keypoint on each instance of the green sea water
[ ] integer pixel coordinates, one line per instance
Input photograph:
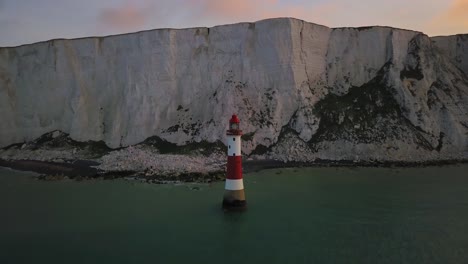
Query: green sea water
(307, 215)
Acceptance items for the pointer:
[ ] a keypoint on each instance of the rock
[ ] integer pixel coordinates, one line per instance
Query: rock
(56, 134)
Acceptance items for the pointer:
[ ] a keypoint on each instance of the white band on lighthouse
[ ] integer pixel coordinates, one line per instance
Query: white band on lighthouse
(234, 145)
(234, 185)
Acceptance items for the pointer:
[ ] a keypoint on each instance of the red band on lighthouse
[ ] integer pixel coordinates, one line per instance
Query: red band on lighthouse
(234, 168)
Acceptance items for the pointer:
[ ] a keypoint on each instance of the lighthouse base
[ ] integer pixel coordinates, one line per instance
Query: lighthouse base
(234, 200)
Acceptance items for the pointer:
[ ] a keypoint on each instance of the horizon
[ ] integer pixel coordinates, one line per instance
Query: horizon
(31, 22)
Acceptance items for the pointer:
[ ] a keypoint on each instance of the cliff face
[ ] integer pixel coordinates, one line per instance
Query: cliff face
(302, 91)
(454, 48)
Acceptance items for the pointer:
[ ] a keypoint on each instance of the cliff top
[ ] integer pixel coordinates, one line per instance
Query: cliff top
(225, 25)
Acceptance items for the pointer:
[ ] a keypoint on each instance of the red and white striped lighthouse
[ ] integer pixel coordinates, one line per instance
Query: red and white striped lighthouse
(234, 196)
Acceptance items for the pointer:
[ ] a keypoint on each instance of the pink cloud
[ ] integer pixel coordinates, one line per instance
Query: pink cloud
(235, 10)
(138, 15)
(252, 10)
(458, 12)
(453, 20)
(320, 14)
(125, 17)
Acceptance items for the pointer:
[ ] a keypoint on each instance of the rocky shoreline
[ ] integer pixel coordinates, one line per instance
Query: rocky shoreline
(55, 156)
(86, 170)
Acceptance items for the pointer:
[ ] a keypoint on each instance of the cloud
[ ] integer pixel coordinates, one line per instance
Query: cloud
(322, 13)
(453, 20)
(145, 14)
(234, 10)
(226, 11)
(129, 16)
(458, 13)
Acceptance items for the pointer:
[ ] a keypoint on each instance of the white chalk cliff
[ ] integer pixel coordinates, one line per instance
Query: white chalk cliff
(302, 91)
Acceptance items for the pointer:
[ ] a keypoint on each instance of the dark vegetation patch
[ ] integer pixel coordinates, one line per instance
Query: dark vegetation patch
(453, 91)
(359, 114)
(269, 96)
(292, 122)
(260, 150)
(229, 76)
(285, 132)
(203, 147)
(62, 141)
(248, 136)
(263, 118)
(172, 129)
(419, 137)
(432, 98)
(191, 129)
(413, 72)
(366, 114)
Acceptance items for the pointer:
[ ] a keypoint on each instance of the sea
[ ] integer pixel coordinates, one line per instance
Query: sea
(294, 215)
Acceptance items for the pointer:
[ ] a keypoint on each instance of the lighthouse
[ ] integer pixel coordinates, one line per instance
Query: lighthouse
(234, 196)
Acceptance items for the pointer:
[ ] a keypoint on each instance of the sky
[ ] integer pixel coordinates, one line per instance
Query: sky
(29, 21)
